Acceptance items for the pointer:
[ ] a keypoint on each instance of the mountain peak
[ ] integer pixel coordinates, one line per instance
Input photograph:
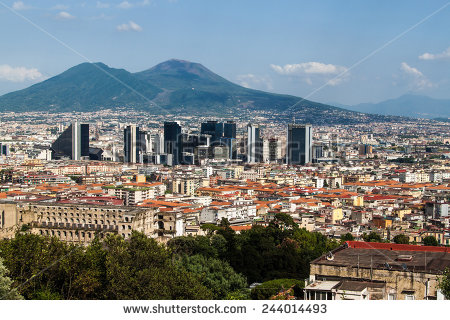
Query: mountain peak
(172, 73)
(178, 65)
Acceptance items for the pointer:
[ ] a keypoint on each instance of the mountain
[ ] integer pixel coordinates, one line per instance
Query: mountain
(81, 88)
(174, 86)
(408, 105)
(187, 84)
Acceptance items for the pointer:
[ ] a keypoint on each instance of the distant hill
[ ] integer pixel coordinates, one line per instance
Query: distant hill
(408, 105)
(177, 86)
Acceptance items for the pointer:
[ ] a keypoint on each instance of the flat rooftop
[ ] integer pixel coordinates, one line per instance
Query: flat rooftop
(388, 256)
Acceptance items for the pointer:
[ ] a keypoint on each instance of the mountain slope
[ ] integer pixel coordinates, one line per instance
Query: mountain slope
(82, 88)
(408, 106)
(174, 86)
(186, 83)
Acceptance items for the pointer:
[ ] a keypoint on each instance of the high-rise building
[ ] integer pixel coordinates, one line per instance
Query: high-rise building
(254, 144)
(157, 143)
(145, 141)
(229, 129)
(229, 139)
(222, 134)
(365, 149)
(213, 128)
(173, 142)
(132, 147)
(4, 149)
(317, 151)
(299, 144)
(72, 143)
(274, 150)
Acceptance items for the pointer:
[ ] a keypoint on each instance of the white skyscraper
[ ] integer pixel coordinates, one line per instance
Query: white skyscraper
(254, 144)
(76, 141)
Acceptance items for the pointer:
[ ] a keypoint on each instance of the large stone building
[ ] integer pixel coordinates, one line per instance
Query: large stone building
(81, 223)
(375, 271)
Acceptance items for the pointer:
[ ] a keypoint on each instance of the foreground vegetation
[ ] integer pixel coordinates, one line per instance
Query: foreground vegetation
(220, 265)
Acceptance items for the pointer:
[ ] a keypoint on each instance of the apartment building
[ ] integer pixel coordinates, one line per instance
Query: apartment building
(376, 271)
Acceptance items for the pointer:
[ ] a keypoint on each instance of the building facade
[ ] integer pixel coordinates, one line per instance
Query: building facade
(299, 144)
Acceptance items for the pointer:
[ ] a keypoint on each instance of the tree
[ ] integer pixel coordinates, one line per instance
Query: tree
(372, 237)
(401, 239)
(430, 241)
(140, 268)
(271, 288)
(444, 283)
(6, 292)
(190, 245)
(347, 237)
(216, 275)
(243, 294)
(285, 220)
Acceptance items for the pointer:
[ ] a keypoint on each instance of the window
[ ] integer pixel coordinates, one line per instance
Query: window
(391, 296)
(409, 297)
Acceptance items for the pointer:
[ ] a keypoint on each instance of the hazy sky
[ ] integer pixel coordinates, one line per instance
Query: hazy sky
(306, 48)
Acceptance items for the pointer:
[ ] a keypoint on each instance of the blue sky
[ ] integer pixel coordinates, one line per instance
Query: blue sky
(304, 48)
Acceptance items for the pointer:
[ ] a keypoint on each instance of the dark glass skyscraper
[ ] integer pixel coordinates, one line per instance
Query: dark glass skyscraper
(213, 128)
(173, 142)
(299, 144)
(72, 143)
(131, 144)
(222, 134)
(229, 129)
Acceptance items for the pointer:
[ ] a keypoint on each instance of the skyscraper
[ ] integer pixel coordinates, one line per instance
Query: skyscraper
(229, 129)
(131, 144)
(4, 149)
(72, 143)
(317, 152)
(254, 144)
(213, 128)
(299, 143)
(173, 142)
(229, 138)
(157, 141)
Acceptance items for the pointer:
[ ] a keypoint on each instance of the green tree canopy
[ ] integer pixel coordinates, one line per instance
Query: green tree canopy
(6, 284)
(347, 237)
(216, 275)
(270, 288)
(136, 268)
(430, 241)
(401, 239)
(444, 283)
(372, 237)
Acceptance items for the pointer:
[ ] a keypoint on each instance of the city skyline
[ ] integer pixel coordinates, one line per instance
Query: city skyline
(123, 33)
